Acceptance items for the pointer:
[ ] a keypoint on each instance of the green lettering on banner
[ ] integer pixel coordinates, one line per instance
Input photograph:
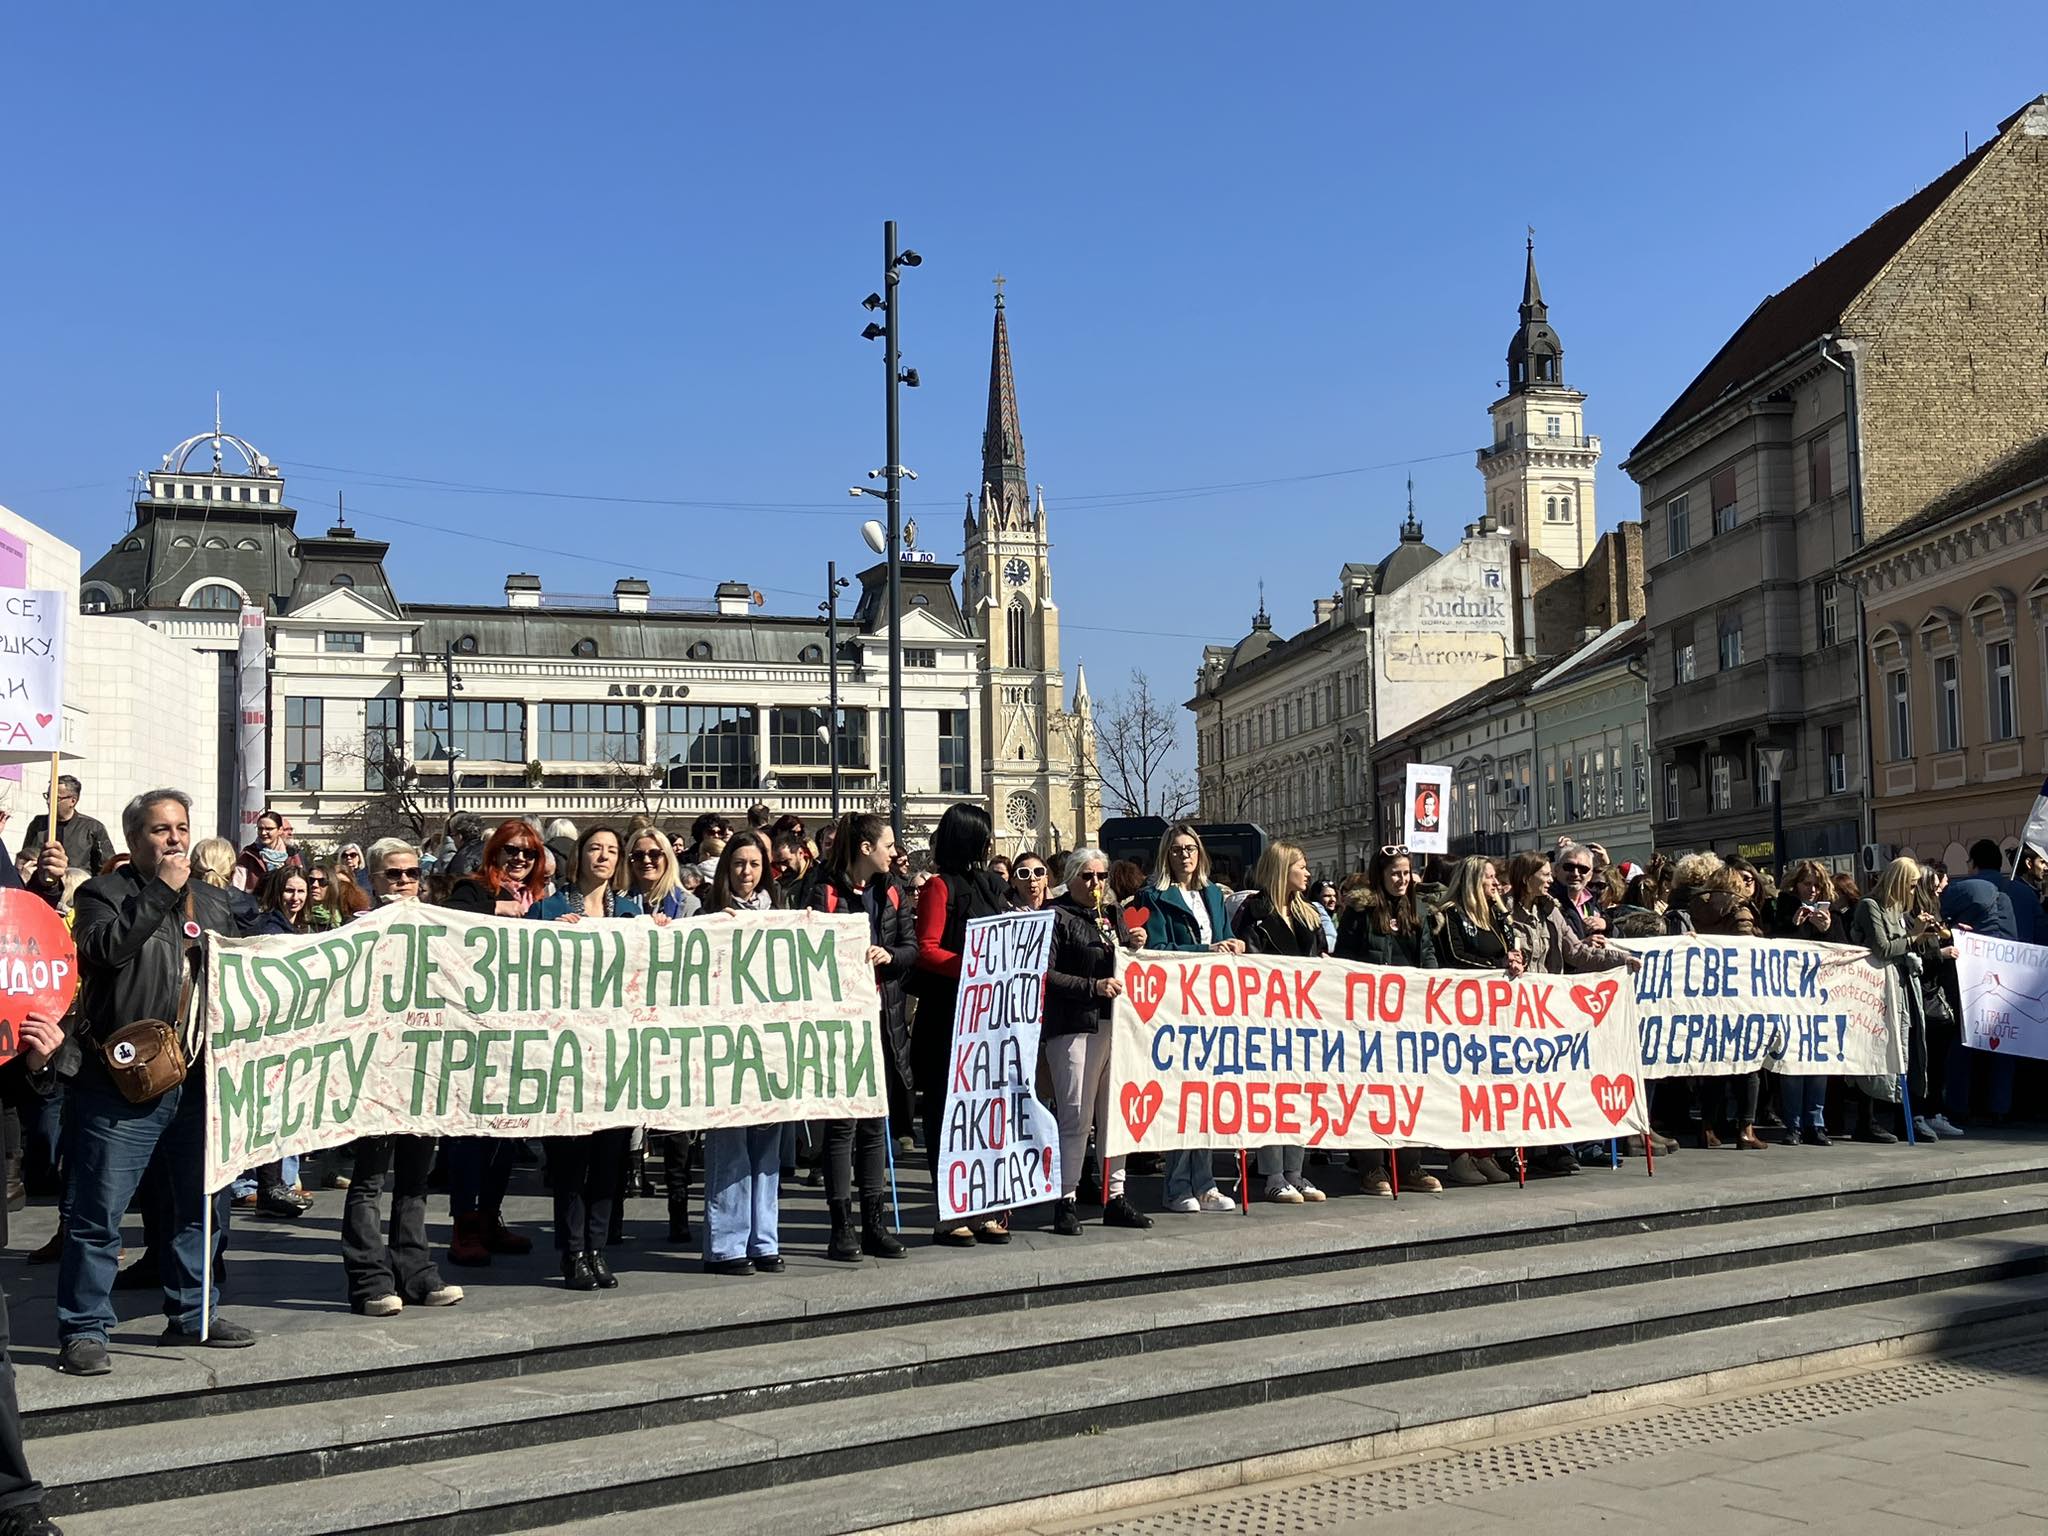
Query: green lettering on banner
(783, 1087)
(747, 1062)
(746, 944)
(487, 1066)
(261, 968)
(458, 1054)
(237, 1098)
(483, 943)
(529, 1084)
(621, 1076)
(312, 995)
(419, 1040)
(545, 966)
(294, 1116)
(860, 1070)
(818, 952)
(425, 967)
(806, 1071)
(568, 1068)
(718, 1051)
(655, 1087)
(230, 985)
(608, 982)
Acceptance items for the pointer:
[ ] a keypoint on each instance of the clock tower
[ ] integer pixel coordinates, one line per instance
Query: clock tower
(1037, 753)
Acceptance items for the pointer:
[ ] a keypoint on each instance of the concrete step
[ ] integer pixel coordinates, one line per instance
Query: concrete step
(762, 1438)
(108, 1463)
(506, 1332)
(1093, 1474)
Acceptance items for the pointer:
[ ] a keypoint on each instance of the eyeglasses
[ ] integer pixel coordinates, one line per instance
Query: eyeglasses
(404, 874)
(1393, 850)
(647, 856)
(1576, 869)
(1182, 851)
(1027, 874)
(1090, 874)
(514, 851)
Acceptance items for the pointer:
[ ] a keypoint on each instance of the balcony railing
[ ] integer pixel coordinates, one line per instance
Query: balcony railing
(1537, 442)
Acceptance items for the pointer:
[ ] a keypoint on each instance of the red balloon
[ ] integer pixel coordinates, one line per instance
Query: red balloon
(38, 965)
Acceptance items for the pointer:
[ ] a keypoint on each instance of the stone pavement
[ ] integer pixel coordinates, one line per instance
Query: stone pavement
(1957, 1444)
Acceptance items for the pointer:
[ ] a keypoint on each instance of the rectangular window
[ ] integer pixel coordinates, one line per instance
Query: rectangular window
(956, 776)
(1671, 791)
(486, 730)
(1836, 758)
(1721, 491)
(1684, 667)
(1731, 643)
(707, 746)
(1641, 760)
(920, 656)
(303, 751)
(1820, 475)
(1722, 781)
(1899, 712)
(383, 748)
(1678, 523)
(2005, 723)
(1553, 426)
(349, 640)
(797, 741)
(1550, 791)
(1948, 704)
(590, 733)
(1572, 810)
(1827, 607)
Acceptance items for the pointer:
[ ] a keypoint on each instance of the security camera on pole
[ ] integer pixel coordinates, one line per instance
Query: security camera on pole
(892, 472)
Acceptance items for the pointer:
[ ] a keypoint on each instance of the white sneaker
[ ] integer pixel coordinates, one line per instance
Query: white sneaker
(1186, 1205)
(1943, 1126)
(445, 1296)
(383, 1306)
(1215, 1202)
(1280, 1192)
(1308, 1191)
(1923, 1130)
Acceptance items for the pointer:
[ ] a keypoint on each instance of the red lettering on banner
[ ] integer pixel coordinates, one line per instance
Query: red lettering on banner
(1347, 1108)
(960, 1082)
(1277, 998)
(1190, 1000)
(1433, 1000)
(996, 1125)
(1216, 1096)
(1248, 987)
(1304, 1004)
(1500, 997)
(1550, 1020)
(1470, 998)
(1222, 994)
(1476, 1106)
(1286, 1119)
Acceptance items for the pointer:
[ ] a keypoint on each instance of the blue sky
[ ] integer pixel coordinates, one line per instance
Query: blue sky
(618, 251)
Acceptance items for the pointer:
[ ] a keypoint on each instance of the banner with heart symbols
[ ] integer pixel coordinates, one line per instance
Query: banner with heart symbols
(999, 1147)
(1710, 1007)
(1225, 1050)
(31, 674)
(2004, 986)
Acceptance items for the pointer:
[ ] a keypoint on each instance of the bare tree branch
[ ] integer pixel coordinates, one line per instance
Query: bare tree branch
(1135, 737)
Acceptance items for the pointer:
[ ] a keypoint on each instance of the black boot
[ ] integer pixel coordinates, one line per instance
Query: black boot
(678, 1152)
(1066, 1222)
(845, 1244)
(875, 1237)
(576, 1271)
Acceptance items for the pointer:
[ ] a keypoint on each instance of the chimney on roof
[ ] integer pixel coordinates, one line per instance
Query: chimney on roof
(734, 599)
(629, 594)
(1325, 607)
(522, 590)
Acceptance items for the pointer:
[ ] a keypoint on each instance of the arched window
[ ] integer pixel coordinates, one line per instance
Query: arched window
(1020, 637)
(215, 595)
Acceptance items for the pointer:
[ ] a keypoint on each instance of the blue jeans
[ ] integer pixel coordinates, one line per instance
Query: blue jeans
(1803, 1102)
(742, 1192)
(1190, 1174)
(108, 1145)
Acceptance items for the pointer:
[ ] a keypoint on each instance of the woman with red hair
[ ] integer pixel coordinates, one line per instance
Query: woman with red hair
(508, 881)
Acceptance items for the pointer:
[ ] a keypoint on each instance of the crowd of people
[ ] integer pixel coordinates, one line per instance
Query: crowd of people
(139, 915)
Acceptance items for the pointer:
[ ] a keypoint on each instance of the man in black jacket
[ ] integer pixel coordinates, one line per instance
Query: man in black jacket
(138, 931)
(84, 840)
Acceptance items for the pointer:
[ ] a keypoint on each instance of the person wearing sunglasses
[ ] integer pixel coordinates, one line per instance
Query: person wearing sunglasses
(507, 883)
(1575, 890)
(1030, 880)
(1081, 989)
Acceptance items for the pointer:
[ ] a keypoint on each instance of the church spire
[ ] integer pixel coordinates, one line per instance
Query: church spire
(1002, 441)
(1535, 356)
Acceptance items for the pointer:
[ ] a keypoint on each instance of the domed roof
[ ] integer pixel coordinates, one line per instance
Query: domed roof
(1410, 557)
(1255, 644)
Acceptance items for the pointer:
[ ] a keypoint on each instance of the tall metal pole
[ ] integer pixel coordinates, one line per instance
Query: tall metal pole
(893, 469)
(832, 661)
(454, 757)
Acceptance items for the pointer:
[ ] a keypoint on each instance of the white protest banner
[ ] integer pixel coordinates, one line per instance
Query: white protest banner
(1242, 1050)
(1428, 801)
(1001, 1147)
(1714, 1007)
(416, 1019)
(2004, 986)
(31, 673)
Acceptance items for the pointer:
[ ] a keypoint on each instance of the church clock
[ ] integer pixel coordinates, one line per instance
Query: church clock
(1015, 571)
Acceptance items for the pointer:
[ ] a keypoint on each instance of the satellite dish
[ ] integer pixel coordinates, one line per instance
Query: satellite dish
(876, 535)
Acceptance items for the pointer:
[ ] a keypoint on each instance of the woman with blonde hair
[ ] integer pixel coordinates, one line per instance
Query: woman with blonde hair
(1898, 930)
(1472, 928)
(1181, 909)
(1277, 918)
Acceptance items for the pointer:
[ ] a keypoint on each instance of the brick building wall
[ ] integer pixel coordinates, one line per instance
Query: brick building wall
(1606, 590)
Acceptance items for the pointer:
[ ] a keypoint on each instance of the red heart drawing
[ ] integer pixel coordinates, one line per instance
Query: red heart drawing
(1992, 1042)
(1140, 1107)
(1595, 1000)
(1614, 1096)
(44, 720)
(1145, 985)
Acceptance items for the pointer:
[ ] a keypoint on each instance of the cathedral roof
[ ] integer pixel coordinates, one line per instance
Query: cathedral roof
(1410, 558)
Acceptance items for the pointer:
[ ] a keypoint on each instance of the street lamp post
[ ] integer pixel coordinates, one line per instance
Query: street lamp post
(454, 687)
(834, 584)
(893, 474)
